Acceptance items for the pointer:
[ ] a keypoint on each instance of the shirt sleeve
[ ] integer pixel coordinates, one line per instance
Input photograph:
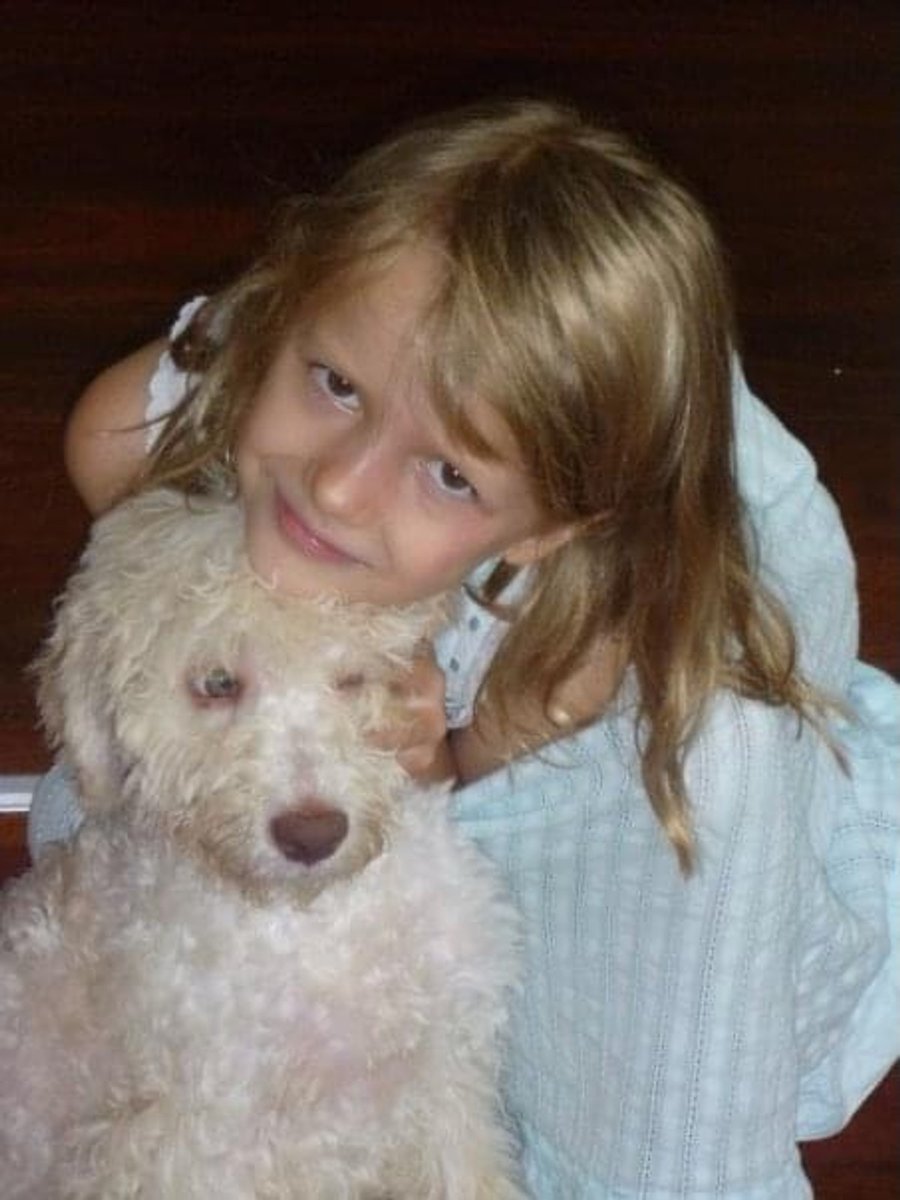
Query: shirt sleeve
(169, 384)
(795, 532)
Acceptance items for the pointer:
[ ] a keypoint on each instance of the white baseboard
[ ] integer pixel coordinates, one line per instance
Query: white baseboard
(15, 792)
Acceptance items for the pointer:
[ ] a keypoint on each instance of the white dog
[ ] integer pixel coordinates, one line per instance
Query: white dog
(267, 966)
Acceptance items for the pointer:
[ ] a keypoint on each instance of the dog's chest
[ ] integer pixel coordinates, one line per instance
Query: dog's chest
(244, 1006)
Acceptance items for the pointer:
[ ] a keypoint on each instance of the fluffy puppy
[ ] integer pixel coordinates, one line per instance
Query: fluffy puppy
(267, 966)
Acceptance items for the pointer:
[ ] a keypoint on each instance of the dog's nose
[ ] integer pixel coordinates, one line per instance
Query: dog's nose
(308, 835)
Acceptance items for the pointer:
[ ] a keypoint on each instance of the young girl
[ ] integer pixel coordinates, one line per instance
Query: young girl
(498, 357)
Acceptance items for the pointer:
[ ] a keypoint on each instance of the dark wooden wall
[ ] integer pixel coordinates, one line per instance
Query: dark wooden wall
(141, 146)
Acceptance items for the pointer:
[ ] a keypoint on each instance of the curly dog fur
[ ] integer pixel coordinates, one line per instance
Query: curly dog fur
(267, 966)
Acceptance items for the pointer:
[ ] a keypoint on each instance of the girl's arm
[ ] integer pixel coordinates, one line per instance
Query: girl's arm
(106, 438)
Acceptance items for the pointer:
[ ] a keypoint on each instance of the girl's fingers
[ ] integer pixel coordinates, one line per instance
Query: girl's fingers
(416, 728)
(424, 679)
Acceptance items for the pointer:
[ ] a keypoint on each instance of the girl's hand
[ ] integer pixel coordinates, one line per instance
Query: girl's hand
(417, 726)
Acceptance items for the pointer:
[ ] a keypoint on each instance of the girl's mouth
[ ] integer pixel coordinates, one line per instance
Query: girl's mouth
(306, 540)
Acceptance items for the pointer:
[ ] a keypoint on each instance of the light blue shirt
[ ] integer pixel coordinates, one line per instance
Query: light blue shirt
(675, 1038)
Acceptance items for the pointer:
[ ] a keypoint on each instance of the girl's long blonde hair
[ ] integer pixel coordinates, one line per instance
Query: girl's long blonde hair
(584, 297)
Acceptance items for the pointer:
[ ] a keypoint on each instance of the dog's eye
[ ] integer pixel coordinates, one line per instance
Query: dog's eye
(351, 682)
(216, 686)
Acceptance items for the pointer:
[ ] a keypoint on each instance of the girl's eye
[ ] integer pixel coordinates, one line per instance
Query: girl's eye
(448, 480)
(336, 387)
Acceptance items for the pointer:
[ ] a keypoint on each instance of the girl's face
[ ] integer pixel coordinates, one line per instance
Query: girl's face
(351, 486)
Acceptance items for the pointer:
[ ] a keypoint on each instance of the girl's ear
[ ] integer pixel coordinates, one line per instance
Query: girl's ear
(539, 545)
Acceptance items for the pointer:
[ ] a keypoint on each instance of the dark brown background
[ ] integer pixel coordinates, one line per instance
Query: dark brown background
(141, 147)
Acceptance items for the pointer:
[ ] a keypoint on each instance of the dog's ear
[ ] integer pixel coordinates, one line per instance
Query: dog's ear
(74, 698)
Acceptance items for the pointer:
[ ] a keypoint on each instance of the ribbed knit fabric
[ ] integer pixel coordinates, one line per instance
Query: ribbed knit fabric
(674, 1038)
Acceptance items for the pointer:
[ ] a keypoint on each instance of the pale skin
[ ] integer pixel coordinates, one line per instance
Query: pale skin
(351, 485)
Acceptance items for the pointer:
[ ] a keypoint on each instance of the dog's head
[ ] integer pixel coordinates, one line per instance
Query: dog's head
(230, 719)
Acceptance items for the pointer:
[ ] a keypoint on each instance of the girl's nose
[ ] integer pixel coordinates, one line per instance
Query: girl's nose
(352, 481)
